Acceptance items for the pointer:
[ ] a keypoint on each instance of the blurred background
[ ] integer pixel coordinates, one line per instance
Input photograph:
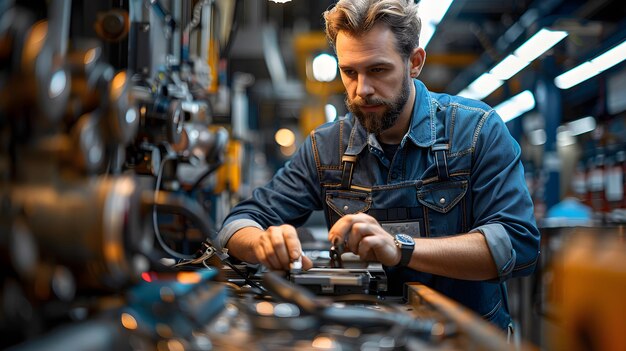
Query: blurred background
(129, 128)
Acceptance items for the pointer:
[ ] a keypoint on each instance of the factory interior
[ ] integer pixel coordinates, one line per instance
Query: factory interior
(129, 129)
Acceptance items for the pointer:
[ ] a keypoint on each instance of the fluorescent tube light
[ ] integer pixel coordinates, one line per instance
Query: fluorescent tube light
(539, 43)
(534, 47)
(565, 133)
(564, 137)
(516, 106)
(434, 10)
(610, 58)
(483, 86)
(428, 30)
(431, 12)
(591, 68)
(582, 125)
(508, 67)
(537, 137)
(576, 75)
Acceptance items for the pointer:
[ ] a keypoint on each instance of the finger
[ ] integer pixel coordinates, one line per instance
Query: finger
(359, 230)
(364, 250)
(259, 252)
(278, 243)
(378, 248)
(306, 263)
(270, 255)
(365, 218)
(293, 246)
(339, 231)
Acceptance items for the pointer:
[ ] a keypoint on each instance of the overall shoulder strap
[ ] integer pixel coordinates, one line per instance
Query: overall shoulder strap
(347, 164)
(441, 161)
(441, 149)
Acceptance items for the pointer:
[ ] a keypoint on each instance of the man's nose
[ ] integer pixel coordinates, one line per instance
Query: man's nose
(364, 87)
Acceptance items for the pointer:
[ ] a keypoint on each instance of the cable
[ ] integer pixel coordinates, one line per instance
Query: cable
(196, 184)
(155, 223)
(197, 12)
(244, 276)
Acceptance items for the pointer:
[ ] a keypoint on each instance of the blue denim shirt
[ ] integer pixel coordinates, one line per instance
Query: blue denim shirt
(457, 170)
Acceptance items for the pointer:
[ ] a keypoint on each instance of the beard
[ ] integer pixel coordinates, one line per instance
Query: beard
(379, 122)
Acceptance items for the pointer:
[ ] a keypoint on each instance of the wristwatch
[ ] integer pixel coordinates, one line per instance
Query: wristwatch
(406, 244)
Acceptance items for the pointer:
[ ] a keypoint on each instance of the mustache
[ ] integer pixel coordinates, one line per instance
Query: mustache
(359, 101)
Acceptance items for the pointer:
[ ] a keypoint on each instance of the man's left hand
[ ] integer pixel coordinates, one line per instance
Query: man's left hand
(364, 236)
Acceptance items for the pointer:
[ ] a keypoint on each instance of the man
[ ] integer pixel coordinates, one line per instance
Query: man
(440, 168)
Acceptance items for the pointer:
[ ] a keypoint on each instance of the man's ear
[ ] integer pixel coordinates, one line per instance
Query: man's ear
(416, 61)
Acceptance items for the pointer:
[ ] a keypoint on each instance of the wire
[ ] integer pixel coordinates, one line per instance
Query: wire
(196, 184)
(155, 223)
(244, 276)
(197, 12)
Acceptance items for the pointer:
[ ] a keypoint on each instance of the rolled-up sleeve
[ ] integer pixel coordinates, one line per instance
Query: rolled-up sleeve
(503, 208)
(500, 247)
(231, 228)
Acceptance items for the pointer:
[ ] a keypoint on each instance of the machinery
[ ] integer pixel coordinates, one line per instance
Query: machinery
(108, 202)
(93, 159)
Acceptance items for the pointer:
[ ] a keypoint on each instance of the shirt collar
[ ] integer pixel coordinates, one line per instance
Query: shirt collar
(422, 131)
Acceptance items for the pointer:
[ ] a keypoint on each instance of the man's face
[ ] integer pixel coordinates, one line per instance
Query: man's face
(375, 76)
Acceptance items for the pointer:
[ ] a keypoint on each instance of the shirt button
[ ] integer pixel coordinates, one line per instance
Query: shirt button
(442, 200)
(345, 208)
(394, 175)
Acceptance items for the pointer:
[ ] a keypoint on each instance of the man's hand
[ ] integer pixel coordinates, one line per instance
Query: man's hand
(365, 237)
(274, 248)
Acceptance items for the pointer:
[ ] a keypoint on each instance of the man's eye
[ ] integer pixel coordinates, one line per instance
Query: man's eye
(377, 70)
(348, 72)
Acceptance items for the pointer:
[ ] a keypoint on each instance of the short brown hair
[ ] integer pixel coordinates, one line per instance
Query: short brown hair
(359, 16)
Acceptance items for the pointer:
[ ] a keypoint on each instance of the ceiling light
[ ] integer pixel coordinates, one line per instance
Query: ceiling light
(539, 43)
(582, 125)
(427, 33)
(537, 137)
(564, 137)
(534, 47)
(285, 137)
(565, 133)
(591, 68)
(431, 13)
(280, 1)
(324, 68)
(610, 58)
(516, 106)
(576, 75)
(331, 112)
(508, 67)
(483, 86)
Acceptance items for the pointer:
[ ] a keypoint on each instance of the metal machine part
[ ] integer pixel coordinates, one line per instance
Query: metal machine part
(293, 318)
(161, 120)
(335, 254)
(92, 226)
(342, 281)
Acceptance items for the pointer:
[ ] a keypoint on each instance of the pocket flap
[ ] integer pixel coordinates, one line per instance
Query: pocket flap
(348, 202)
(442, 196)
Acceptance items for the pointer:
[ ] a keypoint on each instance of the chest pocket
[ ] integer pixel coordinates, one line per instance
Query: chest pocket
(343, 202)
(445, 211)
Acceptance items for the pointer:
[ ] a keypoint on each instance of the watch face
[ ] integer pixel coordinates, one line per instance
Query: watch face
(405, 239)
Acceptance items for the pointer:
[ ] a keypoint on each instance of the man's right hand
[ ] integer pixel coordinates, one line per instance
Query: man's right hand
(274, 248)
